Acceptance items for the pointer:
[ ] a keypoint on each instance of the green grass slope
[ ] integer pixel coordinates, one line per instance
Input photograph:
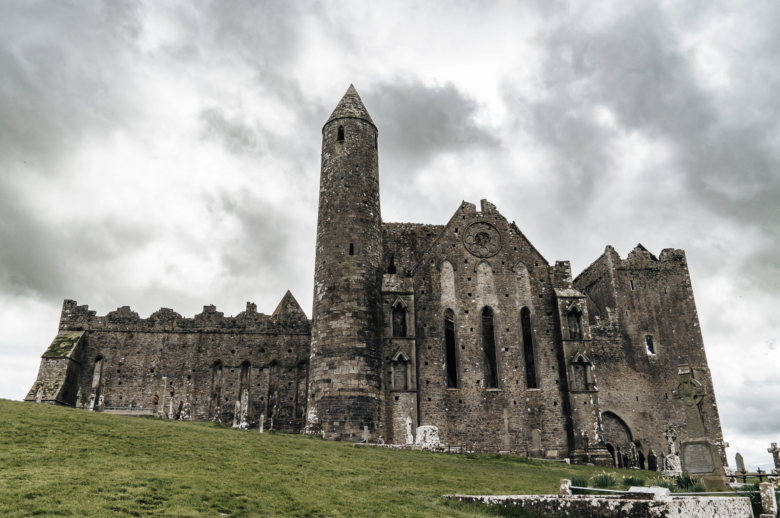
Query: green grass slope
(57, 461)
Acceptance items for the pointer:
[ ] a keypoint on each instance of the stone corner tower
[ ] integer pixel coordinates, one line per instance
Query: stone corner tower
(345, 388)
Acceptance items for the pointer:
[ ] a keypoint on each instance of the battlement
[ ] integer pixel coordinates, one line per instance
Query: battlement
(288, 318)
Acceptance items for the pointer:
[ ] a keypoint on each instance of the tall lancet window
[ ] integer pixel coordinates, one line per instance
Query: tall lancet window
(528, 349)
(399, 321)
(490, 365)
(451, 354)
(340, 135)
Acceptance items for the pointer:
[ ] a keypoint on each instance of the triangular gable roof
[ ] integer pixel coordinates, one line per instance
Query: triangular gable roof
(288, 306)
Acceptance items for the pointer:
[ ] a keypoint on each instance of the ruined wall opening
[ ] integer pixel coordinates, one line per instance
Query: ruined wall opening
(489, 359)
(574, 320)
(399, 321)
(391, 269)
(273, 390)
(300, 393)
(649, 344)
(97, 383)
(243, 388)
(617, 434)
(451, 350)
(528, 349)
(216, 388)
(340, 134)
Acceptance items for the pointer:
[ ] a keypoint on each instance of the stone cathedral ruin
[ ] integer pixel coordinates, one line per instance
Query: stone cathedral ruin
(463, 326)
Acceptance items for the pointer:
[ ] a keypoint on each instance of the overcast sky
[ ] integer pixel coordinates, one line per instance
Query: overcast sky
(166, 154)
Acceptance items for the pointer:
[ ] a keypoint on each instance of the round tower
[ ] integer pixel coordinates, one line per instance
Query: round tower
(345, 390)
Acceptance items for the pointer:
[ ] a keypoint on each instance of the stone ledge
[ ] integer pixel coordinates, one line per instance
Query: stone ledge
(623, 506)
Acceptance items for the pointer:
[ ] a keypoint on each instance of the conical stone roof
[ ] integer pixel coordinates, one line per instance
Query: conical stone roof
(351, 106)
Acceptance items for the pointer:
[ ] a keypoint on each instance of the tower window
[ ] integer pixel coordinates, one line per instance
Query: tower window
(649, 344)
(489, 349)
(450, 349)
(631, 282)
(528, 349)
(341, 133)
(376, 142)
(351, 249)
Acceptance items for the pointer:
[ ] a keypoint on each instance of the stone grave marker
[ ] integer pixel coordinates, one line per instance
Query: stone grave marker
(700, 457)
(536, 444)
(740, 463)
(776, 456)
(652, 463)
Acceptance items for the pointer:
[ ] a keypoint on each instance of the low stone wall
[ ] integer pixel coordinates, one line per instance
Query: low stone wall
(639, 506)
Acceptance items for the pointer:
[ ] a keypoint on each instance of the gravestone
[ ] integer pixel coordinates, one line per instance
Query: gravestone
(365, 434)
(776, 456)
(162, 396)
(39, 396)
(79, 403)
(506, 439)
(652, 463)
(536, 444)
(619, 456)
(262, 422)
(673, 467)
(700, 457)
(427, 437)
(740, 463)
(409, 434)
(236, 414)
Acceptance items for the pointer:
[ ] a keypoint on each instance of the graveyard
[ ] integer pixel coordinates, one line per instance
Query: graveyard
(68, 462)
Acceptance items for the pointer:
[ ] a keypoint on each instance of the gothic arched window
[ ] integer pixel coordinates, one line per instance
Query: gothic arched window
(490, 363)
(451, 354)
(574, 321)
(528, 349)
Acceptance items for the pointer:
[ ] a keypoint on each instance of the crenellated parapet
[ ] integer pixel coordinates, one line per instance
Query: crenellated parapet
(288, 318)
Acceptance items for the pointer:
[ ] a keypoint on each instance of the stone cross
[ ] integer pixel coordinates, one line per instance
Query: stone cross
(690, 392)
(775, 453)
(671, 436)
(162, 395)
(740, 463)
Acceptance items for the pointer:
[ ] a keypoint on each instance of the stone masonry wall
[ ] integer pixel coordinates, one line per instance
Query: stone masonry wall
(512, 275)
(136, 354)
(633, 384)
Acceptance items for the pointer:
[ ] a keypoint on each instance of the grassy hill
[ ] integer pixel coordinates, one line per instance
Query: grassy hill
(57, 461)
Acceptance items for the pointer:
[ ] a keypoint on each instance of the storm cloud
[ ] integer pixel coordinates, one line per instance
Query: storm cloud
(168, 154)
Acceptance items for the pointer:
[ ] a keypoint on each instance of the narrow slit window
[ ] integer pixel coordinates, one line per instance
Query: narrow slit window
(631, 282)
(489, 349)
(340, 135)
(351, 249)
(649, 344)
(450, 349)
(528, 349)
